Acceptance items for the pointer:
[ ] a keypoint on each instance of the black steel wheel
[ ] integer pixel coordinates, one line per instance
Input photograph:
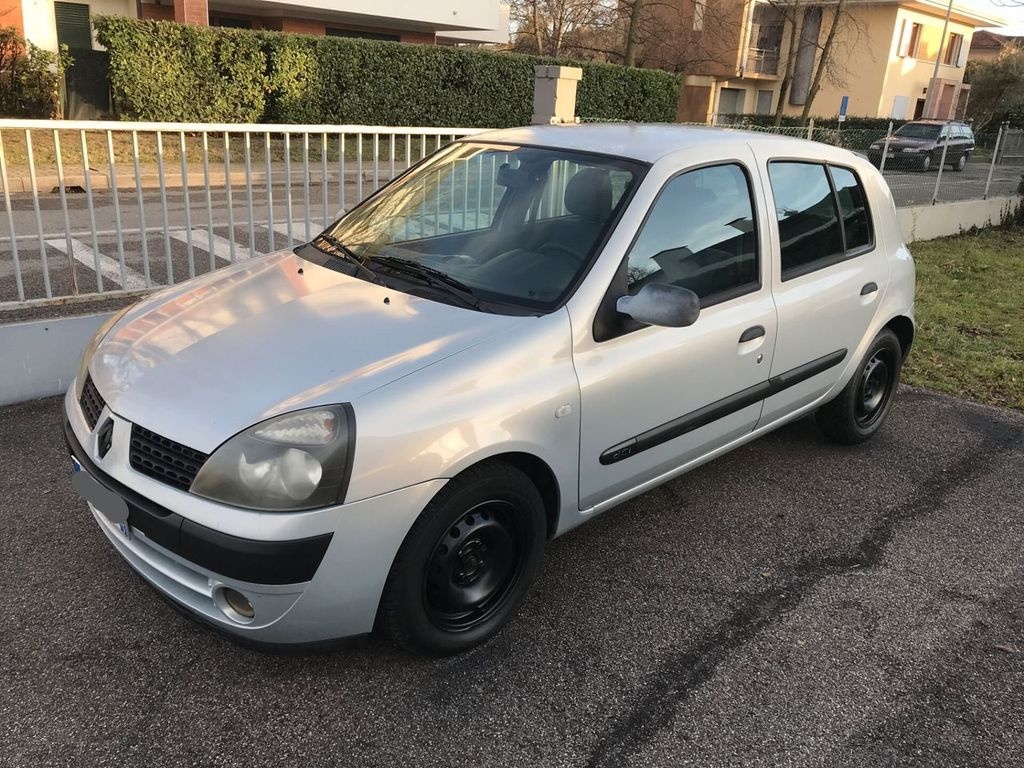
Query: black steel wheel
(474, 566)
(860, 408)
(877, 381)
(467, 563)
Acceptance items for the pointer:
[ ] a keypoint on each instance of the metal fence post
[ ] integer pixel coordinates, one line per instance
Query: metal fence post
(810, 129)
(942, 163)
(885, 148)
(992, 165)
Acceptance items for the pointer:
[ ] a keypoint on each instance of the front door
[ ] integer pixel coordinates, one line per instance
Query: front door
(653, 398)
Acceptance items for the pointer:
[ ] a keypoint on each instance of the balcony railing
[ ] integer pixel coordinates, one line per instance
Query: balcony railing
(763, 61)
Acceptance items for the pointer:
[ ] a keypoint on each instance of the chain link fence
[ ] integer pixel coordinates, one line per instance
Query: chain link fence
(994, 167)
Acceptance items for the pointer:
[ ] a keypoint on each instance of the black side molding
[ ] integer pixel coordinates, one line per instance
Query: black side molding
(252, 560)
(720, 408)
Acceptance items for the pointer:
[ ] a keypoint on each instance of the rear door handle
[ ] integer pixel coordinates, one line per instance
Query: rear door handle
(868, 288)
(754, 332)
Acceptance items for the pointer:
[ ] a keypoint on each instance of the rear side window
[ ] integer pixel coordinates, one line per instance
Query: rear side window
(700, 234)
(809, 230)
(823, 216)
(853, 207)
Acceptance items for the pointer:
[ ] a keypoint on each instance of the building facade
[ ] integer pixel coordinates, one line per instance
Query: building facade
(986, 45)
(883, 60)
(47, 23)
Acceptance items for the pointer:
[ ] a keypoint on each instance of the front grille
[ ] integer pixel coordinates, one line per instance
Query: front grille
(164, 460)
(91, 402)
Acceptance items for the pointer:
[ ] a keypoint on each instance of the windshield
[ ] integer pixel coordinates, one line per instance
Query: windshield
(919, 131)
(501, 224)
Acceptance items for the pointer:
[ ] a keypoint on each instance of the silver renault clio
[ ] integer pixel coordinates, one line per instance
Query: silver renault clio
(383, 427)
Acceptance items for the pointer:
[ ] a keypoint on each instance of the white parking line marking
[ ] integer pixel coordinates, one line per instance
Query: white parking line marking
(109, 268)
(298, 230)
(219, 247)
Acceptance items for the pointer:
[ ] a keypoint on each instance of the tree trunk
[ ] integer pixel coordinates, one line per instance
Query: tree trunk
(823, 60)
(787, 73)
(629, 60)
(538, 27)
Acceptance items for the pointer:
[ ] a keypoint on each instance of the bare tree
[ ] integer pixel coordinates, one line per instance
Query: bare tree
(824, 59)
(790, 12)
(632, 32)
(544, 26)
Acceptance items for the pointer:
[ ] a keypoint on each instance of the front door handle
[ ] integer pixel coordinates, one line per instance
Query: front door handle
(754, 332)
(868, 288)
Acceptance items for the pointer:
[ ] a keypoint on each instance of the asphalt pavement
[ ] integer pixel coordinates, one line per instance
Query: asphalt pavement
(794, 603)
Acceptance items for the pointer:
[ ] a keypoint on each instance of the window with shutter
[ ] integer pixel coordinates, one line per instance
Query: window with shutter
(73, 27)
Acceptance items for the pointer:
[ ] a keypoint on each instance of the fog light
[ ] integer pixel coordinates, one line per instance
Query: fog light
(234, 602)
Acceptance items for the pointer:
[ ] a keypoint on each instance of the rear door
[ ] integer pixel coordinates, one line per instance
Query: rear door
(828, 281)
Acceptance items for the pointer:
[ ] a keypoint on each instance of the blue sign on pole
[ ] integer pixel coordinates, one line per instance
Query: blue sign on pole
(843, 105)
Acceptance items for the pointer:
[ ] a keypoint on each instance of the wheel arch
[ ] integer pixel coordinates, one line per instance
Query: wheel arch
(540, 474)
(904, 329)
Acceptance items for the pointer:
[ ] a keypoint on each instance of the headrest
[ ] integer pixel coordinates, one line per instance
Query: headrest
(589, 194)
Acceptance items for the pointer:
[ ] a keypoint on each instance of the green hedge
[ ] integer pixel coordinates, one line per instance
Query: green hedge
(167, 71)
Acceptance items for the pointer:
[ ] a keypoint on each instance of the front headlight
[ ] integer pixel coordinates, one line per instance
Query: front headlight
(299, 460)
(90, 349)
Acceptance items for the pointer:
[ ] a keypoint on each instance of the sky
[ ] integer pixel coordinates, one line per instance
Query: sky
(1014, 15)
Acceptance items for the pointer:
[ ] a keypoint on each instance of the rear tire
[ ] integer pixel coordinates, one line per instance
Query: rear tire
(468, 562)
(860, 409)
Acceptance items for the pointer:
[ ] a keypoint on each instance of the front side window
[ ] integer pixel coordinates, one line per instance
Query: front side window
(512, 227)
(805, 208)
(700, 234)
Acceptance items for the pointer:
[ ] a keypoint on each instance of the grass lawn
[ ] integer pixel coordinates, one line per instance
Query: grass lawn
(970, 317)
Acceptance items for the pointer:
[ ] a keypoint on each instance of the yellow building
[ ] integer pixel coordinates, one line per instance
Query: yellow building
(883, 60)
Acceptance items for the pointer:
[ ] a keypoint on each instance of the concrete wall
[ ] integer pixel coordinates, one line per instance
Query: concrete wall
(925, 222)
(41, 357)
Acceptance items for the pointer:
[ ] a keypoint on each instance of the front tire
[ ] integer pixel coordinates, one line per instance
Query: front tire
(860, 409)
(468, 562)
(961, 163)
(926, 163)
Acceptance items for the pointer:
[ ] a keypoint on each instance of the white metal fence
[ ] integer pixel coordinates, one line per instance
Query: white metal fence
(114, 208)
(108, 208)
(989, 171)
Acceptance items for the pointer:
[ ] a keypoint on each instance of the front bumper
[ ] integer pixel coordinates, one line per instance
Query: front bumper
(313, 577)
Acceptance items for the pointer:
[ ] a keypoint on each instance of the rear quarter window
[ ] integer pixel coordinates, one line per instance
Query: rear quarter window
(853, 209)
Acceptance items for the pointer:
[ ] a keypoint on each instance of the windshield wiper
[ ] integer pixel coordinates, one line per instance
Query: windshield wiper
(432, 277)
(339, 250)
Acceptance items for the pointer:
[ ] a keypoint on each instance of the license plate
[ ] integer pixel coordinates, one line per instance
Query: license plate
(110, 505)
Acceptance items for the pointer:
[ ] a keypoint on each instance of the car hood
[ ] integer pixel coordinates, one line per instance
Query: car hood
(202, 361)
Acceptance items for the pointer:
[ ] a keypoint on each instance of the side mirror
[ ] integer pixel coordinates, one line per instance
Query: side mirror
(661, 304)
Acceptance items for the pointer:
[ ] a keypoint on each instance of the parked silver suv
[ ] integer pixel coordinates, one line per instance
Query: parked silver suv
(384, 427)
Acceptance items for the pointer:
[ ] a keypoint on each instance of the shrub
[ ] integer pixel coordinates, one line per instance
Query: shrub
(30, 77)
(166, 71)
(181, 72)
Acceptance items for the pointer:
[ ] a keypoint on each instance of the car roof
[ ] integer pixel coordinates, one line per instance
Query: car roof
(935, 121)
(648, 142)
